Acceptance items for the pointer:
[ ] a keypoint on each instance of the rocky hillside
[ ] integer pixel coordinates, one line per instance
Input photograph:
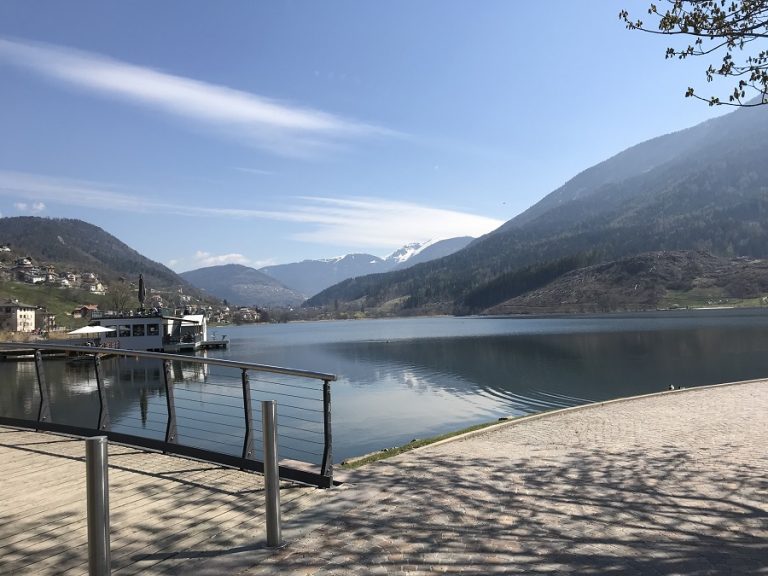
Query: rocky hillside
(647, 282)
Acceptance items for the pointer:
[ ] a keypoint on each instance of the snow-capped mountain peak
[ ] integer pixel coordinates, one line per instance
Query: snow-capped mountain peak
(407, 252)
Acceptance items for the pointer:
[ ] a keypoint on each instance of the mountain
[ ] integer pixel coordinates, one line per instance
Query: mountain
(416, 253)
(704, 188)
(312, 276)
(646, 282)
(71, 244)
(241, 285)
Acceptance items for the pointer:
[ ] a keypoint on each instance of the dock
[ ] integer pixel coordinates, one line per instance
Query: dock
(169, 515)
(27, 354)
(222, 343)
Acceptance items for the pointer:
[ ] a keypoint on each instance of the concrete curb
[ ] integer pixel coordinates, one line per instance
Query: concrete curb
(554, 413)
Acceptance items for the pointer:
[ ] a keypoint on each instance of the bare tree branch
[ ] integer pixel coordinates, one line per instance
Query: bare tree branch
(718, 26)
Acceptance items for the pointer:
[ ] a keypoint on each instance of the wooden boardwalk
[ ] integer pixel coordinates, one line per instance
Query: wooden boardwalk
(169, 515)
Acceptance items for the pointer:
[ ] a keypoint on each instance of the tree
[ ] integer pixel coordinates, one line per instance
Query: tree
(119, 296)
(736, 29)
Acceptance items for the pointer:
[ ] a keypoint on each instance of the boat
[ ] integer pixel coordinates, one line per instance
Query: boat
(153, 331)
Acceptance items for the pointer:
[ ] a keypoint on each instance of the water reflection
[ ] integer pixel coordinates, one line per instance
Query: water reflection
(457, 372)
(393, 387)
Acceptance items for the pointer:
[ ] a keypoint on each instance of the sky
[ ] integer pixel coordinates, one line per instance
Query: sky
(260, 133)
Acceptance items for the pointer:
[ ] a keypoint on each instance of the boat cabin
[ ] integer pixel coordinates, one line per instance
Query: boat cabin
(154, 332)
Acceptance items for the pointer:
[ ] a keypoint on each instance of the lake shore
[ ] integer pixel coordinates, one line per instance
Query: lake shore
(664, 483)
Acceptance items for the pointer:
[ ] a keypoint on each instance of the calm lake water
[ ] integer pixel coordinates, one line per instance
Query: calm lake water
(410, 378)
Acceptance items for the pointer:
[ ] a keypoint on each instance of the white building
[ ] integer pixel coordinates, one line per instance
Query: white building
(17, 317)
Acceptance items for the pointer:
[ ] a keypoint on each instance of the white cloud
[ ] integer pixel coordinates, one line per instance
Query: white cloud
(36, 188)
(274, 126)
(203, 258)
(34, 208)
(378, 222)
(348, 222)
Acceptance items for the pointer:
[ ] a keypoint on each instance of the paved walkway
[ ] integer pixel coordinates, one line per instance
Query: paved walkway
(675, 483)
(670, 484)
(168, 515)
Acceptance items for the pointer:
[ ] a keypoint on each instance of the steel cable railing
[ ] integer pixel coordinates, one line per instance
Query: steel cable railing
(187, 405)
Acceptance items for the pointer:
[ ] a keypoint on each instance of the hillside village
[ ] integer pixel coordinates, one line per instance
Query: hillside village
(96, 298)
(23, 269)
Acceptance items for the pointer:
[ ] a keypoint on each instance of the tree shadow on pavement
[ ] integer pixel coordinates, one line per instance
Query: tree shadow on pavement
(592, 512)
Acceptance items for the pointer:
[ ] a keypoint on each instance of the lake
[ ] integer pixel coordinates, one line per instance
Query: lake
(401, 379)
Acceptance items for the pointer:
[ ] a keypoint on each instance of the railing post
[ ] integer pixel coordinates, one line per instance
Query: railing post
(97, 489)
(326, 469)
(171, 436)
(271, 472)
(104, 422)
(44, 411)
(248, 415)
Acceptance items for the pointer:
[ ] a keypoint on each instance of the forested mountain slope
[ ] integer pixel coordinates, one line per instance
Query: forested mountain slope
(72, 244)
(704, 188)
(242, 285)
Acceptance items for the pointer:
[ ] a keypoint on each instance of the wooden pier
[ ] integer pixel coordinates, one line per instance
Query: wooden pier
(222, 343)
(169, 515)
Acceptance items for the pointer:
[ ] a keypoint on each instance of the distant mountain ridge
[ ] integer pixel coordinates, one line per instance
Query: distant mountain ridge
(243, 286)
(704, 188)
(312, 276)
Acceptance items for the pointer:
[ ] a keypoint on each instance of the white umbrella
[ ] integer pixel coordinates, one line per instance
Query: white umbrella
(92, 330)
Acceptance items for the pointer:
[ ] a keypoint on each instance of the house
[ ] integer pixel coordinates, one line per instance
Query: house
(90, 282)
(17, 317)
(85, 311)
(31, 275)
(97, 288)
(45, 321)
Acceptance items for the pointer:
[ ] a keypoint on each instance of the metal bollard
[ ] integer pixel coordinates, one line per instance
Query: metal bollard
(97, 488)
(271, 472)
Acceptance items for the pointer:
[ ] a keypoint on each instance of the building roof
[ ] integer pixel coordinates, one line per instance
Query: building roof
(17, 304)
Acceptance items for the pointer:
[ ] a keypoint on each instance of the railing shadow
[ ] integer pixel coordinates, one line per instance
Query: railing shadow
(593, 512)
(162, 509)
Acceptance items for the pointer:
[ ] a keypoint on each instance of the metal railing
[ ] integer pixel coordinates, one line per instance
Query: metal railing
(210, 419)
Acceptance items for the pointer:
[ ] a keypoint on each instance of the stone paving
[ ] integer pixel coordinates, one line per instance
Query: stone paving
(675, 483)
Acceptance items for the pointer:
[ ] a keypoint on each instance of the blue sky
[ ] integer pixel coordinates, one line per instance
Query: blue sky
(203, 133)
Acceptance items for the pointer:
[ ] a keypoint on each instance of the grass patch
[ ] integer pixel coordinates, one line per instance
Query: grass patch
(58, 301)
(352, 463)
(705, 298)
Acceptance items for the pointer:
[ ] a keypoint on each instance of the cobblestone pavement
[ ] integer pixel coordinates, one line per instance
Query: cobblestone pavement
(675, 483)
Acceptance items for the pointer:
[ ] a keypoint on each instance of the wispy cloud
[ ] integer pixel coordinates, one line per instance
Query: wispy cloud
(258, 171)
(378, 222)
(203, 258)
(33, 208)
(278, 127)
(38, 188)
(347, 222)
